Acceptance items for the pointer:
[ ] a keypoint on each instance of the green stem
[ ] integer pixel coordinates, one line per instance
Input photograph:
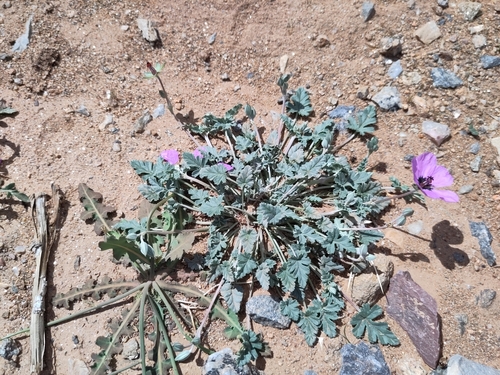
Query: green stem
(396, 196)
(142, 317)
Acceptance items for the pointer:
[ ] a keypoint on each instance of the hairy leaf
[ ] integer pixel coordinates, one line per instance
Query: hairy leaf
(290, 307)
(10, 190)
(213, 206)
(215, 173)
(364, 119)
(300, 103)
(179, 245)
(94, 209)
(233, 295)
(377, 331)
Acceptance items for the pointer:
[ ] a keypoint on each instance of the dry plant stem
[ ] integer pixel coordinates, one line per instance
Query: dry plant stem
(207, 314)
(37, 327)
(343, 144)
(348, 299)
(45, 242)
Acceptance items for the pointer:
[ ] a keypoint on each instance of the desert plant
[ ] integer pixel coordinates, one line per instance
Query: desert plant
(288, 212)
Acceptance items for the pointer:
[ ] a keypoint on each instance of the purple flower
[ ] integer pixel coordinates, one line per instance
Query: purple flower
(197, 154)
(170, 156)
(227, 166)
(428, 175)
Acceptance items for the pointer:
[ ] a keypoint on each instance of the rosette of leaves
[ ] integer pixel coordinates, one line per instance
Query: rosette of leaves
(286, 212)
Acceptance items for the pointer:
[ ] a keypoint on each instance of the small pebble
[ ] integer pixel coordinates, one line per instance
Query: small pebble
(211, 38)
(7, 5)
(474, 148)
(124, 27)
(117, 147)
(225, 77)
(466, 189)
(475, 164)
(18, 81)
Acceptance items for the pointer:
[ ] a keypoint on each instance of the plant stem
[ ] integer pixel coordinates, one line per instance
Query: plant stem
(396, 196)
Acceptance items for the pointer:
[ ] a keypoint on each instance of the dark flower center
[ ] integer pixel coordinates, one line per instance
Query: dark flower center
(425, 182)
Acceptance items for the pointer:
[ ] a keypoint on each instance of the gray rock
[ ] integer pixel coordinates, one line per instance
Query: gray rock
(9, 349)
(310, 372)
(148, 31)
(388, 98)
(265, 310)
(5, 57)
(445, 79)
(18, 81)
(495, 142)
(485, 298)
(479, 41)
(443, 3)
(475, 164)
(458, 365)
(469, 9)
(140, 124)
(225, 77)
(474, 148)
(428, 33)
(117, 147)
(77, 367)
(462, 320)
(391, 47)
(489, 61)
(437, 132)
(131, 350)
(108, 120)
(481, 231)
(367, 11)
(159, 111)
(363, 359)
(366, 287)
(416, 227)
(395, 70)
(22, 42)
(20, 249)
(224, 362)
(83, 111)
(466, 189)
(211, 38)
(416, 312)
(342, 112)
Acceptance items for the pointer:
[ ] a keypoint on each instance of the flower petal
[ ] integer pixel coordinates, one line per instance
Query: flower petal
(170, 156)
(442, 177)
(445, 195)
(423, 165)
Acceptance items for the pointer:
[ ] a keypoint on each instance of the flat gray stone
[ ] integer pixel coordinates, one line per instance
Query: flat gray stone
(367, 11)
(9, 349)
(482, 233)
(363, 359)
(388, 98)
(22, 42)
(265, 310)
(479, 41)
(140, 124)
(395, 70)
(416, 312)
(458, 365)
(428, 33)
(489, 61)
(148, 31)
(445, 79)
(475, 164)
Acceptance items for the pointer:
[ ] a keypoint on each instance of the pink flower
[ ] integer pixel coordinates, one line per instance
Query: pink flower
(227, 166)
(170, 156)
(428, 175)
(197, 154)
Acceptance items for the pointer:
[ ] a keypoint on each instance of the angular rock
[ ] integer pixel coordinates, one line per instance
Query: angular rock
(342, 112)
(225, 362)
(479, 41)
(148, 31)
(265, 310)
(475, 164)
(395, 70)
(465, 189)
(443, 3)
(416, 312)
(481, 231)
(366, 287)
(445, 79)
(476, 29)
(437, 132)
(140, 124)
(485, 298)
(211, 38)
(283, 63)
(411, 366)
(367, 11)
(391, 47)
(458, 365)
(495, 142)
(388, 98)
(77, 367)
(363, 359)
(411, 78)
(22, 42)
(108, 120)
(428, 33)
(159, 111)
(322, 41)
(131, 350)
(469, 10)
(9, 349)
(489, 61)
(474, 148)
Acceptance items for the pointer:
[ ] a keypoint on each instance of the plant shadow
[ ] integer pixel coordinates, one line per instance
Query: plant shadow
(412, 257)
(443, 235)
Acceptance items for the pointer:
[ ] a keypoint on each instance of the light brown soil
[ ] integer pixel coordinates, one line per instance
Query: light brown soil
(74, 42)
